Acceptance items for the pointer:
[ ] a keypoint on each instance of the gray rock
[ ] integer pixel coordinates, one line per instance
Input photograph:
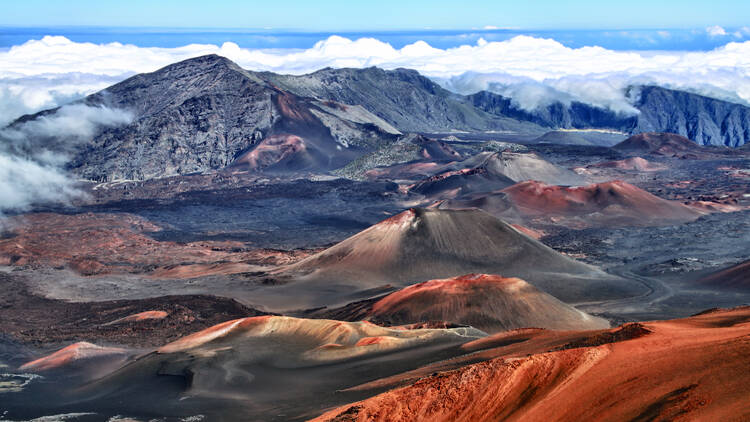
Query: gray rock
(204, 113)
(207, 113)
(704, 120)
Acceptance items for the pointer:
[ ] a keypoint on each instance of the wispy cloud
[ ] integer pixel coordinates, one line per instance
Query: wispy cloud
(29, 94)
(716, 31)
(24, 182)
(31, 169)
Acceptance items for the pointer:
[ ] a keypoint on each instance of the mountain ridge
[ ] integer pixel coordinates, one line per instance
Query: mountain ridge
(204, 113)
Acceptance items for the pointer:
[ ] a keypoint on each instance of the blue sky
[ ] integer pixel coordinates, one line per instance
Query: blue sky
(337, 15)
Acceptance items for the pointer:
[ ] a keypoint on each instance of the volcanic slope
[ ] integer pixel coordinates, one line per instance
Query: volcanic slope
(426, 244)
(658, 143)
(207, 113)
(490, 171)
(568, 137)
(734, 277)
(75, 354)
(454, 183)
(520, 166)
(496, 203)
(632, 163)
(402, 97)
(490, 303)
(685, 369)
(272, 366)
(603, 204)
(410, 152)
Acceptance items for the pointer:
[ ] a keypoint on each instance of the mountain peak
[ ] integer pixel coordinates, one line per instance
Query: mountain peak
(447, 243)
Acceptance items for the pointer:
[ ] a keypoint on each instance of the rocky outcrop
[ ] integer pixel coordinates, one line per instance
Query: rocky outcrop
(407, 149)
(706, 121)
(402, 97)
(205, 113)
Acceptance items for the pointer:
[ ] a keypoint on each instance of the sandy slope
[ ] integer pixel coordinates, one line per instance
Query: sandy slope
(614, 203)
(425, 244)
(690, 369)
(488, 302)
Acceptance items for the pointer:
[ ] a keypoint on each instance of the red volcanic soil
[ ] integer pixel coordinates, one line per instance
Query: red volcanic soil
(610, 203)
(667, 144)
(534, 234)
(488, 302)
(141, 316)
(632, 163)
(73, 354)
(271, 151)
(102, 243)
(737, 277)
(689, 369)
(435, 150)
(291, 108)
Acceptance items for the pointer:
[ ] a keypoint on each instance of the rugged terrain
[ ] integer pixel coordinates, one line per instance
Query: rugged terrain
(362, 244)
(207, 113)
(671, 364)
(488, 302)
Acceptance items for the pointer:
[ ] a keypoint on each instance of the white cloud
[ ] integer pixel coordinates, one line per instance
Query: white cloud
(29, 94)
(742, 32)
(70, 121)
(716, 31)
(533, 70)
(24, 182)
(31, 169)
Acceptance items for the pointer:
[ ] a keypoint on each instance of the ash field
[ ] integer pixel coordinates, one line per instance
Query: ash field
(362, 244)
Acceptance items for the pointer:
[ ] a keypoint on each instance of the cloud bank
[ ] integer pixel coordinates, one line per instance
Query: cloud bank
(533, 71)
(31, 166)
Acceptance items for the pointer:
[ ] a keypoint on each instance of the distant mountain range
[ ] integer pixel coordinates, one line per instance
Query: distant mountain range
(208, 113)
(706, 121)
(412, 102)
